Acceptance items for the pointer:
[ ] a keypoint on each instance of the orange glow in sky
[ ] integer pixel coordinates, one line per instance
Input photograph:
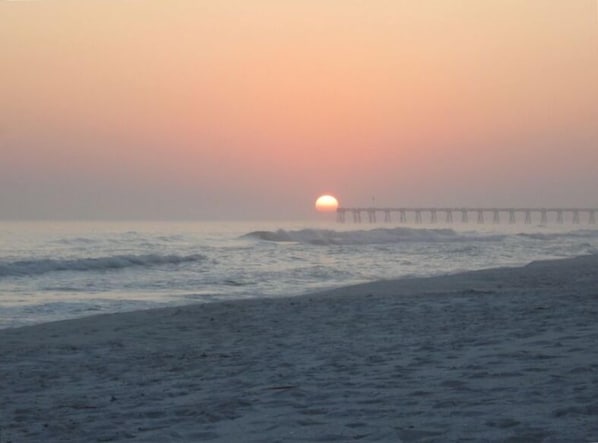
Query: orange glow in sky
(238, 109)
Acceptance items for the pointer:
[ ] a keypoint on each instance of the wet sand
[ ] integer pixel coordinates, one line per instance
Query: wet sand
(498, 355)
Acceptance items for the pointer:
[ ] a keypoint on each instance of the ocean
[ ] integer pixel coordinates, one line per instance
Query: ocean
(59, 270)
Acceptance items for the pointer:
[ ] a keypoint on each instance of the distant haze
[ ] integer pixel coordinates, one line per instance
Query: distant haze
(236, 109)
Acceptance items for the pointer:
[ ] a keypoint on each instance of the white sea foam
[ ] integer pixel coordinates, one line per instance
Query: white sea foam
(372, 236)
(402, 234)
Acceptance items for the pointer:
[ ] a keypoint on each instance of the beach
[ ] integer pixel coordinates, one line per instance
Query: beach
(498, 355)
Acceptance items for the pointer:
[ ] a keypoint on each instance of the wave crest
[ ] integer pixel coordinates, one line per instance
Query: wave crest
(358, 237)
(403, 234)
(580, 234)
(43, 266)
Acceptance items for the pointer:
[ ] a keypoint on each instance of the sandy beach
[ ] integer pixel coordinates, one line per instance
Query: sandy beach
(502, 355)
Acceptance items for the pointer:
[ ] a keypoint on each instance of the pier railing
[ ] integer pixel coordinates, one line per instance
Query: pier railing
(468, 214)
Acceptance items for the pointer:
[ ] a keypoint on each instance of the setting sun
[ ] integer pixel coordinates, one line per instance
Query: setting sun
(326, 203)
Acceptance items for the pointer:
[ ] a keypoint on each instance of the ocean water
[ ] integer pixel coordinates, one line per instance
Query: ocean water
(58, 270)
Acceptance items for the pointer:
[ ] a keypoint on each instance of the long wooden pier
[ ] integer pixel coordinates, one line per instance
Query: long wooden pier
(468, 214)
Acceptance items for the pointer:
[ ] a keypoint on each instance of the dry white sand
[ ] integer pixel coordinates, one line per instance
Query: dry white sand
(499, 355)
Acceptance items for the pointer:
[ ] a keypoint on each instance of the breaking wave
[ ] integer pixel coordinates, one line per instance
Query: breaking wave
(581, 234)
(43, 266)
(403, 234)
(365, 237)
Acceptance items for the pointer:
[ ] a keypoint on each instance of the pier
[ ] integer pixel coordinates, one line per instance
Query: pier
(467, 215)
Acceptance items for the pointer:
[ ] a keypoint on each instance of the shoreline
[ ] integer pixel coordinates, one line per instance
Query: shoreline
(491, 355)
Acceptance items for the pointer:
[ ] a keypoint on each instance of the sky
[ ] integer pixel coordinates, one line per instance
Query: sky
(236, 109)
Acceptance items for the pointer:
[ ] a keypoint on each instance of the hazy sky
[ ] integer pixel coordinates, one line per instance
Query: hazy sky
(228, 109)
